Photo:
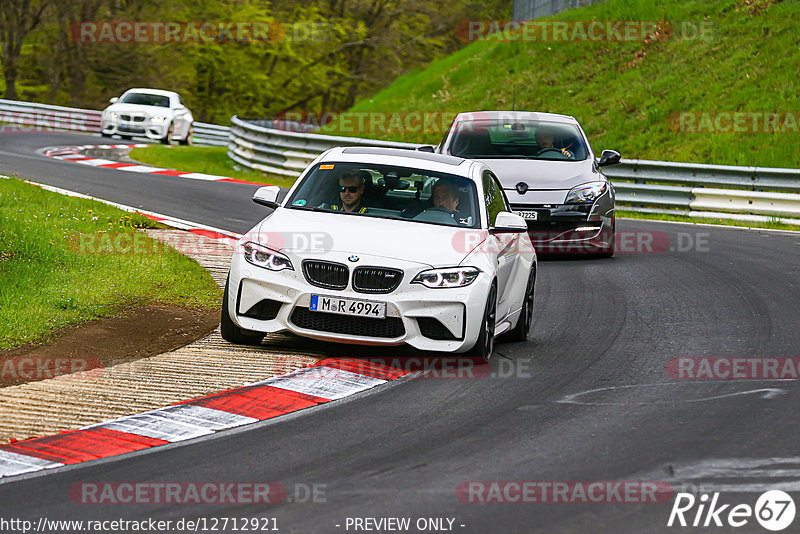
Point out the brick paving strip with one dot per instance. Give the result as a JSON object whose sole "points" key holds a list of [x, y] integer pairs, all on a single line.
{"points": [[207, 366]]}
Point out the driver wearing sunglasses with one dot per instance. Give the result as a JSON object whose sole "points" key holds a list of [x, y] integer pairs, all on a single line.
{"points": [[351, 188]]}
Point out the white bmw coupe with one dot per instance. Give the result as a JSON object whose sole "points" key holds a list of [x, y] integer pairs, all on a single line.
{"points": [[152, 113], [378, 246]]}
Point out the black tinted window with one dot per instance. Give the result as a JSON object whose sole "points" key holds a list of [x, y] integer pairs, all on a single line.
{"points": [[507, 138], [145, 99], [493, 197], [389, 192]]}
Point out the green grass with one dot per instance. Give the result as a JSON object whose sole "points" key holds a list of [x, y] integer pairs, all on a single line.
{"points": [[206, 159], [749, 64], [725, 222], [49, 281]]}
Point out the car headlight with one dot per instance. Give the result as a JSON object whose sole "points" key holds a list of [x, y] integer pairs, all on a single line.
{"points": [[266, 258], [157, 119], [586, 193], [111, 115], [449, 277]]}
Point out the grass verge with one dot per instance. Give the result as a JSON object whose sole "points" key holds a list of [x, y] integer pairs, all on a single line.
{"points": [[206, 159], [626, 94], [50, 279], [724, 222]]}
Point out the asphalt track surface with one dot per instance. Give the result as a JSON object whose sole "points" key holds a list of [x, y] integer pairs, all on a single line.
{"points": [[403, 450]]}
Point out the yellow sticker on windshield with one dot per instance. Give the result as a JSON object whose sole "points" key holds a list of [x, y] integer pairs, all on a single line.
{"points": [[325, 167]]}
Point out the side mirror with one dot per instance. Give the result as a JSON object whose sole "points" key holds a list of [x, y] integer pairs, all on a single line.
{"points": [[113, 100], [608, 157], [267, 196], [425, 148], [507, 222]]}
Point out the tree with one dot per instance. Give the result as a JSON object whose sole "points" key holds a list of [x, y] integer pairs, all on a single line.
{"points": [[17, 19], [71, 51], [324, 55]]}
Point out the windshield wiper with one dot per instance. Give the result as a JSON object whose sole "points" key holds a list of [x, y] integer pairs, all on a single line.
{"points": [[306, 208]]}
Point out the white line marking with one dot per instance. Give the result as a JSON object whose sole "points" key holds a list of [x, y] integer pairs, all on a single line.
{"points": [[767, 393], [201, 176], [205, 417], [740, 475], [154, 425], [70, 153], [788, 486], [95, 162], [12, 463], [139, 168], [753, 228], [325, 382], [722, 472], [747, 463]]}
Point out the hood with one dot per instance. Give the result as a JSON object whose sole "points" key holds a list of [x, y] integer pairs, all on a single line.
{"points": [[539, 174], [139, 108], [326, 235]]}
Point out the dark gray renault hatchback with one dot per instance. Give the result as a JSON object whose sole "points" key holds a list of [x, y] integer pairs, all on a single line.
{"points": [[549, 173]]}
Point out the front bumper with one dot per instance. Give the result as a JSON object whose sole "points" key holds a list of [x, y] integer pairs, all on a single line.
{"points": [[570, 228], [446, 320], [140, 129]]}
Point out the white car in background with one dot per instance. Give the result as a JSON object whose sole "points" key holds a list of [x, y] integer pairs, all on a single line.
{"points": [[152, 113], [400, 269]]}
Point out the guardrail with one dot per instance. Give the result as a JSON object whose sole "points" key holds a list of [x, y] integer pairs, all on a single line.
{"points": [[708, 191], [26, 116], [257, 146], [21, 116], [206, 134], [691, 189]]}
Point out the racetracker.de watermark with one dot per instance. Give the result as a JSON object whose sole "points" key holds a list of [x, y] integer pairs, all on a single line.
{"points": [[177, 493], [733, 368], [365, 122], [46, 121], [30, 368], [584, 30], [199, 31], [564, 492], [151, 525], [580, 242], [137, 242], [432, 367], [739, 122]]}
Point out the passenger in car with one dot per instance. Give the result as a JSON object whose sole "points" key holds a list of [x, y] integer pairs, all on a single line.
{"points": [[445, 195]]}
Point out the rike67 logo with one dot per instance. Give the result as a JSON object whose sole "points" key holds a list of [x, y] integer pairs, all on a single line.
{"points": [[774, 510]]}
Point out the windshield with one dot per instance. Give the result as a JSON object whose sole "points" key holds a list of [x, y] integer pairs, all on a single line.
{"points": [[389, 192], [509, 138], [146, 99]]}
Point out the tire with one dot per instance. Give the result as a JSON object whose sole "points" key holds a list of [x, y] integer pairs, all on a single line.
{"points": [[485, 345], [104, 134], [126, 137], [188, 139], [232, 332], [520, 331], [167, 139]]}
